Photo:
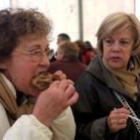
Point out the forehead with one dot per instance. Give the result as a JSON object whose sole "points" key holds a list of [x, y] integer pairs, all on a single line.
{"points": [[125, 33], [29, 41]]}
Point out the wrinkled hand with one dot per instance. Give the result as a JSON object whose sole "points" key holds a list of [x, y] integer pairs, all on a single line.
{"points": [[60, 74], [63, 76], [118, 119], [54, 100]]}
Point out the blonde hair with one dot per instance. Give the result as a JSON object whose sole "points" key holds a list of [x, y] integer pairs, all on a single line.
{"points": [[117, 22]]}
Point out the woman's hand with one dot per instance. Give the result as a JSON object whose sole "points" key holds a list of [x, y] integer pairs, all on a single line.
{"points": [[54, 100], [61, 74], [117, 119]]}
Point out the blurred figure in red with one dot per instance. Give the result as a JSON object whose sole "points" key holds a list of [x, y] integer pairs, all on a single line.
{"points": [[87, 52], [68, 61]]}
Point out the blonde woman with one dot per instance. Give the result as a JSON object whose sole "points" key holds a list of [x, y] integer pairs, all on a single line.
{"points": [[109, 88]]}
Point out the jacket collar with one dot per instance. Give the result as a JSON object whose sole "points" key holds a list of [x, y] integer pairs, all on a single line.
{"points": [[98, 70]]}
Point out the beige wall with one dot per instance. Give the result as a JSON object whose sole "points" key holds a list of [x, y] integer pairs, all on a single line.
{"points": [[64, 14], [96, 10]]}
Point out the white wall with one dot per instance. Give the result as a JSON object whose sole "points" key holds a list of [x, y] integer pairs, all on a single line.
{"points": [[137, 8], [96, 10], [64, 14], [4, 4]]}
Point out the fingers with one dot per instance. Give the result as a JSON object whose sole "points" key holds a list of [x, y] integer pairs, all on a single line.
{"points": [[121, 121], [66, 90], [71, 82], [64, 84], [71, 94], [118, 119], [70, 89], [61, 74], [55, 84], [73, 99], [64, 87], [122, 110], [121, 113]]}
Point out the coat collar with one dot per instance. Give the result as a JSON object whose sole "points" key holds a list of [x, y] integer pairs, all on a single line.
{"points": [[98, 70]]}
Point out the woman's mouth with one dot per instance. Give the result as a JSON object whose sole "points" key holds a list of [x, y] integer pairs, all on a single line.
{"points": [[115, 59]]}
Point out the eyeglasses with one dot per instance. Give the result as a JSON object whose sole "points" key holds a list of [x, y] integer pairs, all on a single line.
{"points": [[37, 55]]}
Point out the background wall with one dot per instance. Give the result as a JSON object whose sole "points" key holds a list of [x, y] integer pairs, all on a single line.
{"points": [[96, 10], [65, 14], [4, 4]]}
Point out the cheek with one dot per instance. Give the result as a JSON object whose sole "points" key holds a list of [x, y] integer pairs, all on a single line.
{"points": [[22, 74], [126, 56], [106, 53], [28, 70]]}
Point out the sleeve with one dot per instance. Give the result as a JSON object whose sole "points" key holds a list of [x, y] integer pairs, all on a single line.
{"points": [[86, 110], [4, 122], [98, 129], [27, 127], [64, 126]]}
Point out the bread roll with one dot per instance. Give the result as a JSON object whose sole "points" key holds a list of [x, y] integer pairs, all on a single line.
{"points": [[43, 80]]}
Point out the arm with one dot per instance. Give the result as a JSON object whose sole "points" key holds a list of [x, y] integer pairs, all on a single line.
{"points": [[4, 123], [50, 104], [87, 110], [52, 109], [27, 127], [64, 126]]}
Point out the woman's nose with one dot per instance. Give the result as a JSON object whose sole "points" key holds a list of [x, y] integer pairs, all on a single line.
{"points": [[116, 46], [45, 61]]}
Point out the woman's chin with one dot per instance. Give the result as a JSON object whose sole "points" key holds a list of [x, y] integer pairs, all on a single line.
{"points": [[116, 66]]}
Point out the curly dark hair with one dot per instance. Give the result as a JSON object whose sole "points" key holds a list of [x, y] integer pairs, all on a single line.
{"points": [[15, 24]]}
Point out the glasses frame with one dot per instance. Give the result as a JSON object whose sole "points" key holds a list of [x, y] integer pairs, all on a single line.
{"points": [[38, 54]]}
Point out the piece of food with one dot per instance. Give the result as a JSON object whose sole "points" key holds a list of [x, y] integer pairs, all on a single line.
{"points": [[43, 80]]}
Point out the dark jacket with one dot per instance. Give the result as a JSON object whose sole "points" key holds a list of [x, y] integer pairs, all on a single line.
{"points": [[71, 66], [96, 100]]}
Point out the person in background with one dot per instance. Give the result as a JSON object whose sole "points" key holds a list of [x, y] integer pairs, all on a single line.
{"points": [[53, 56], [86, 51], [26, 112], [81, 46], [62, 38], [89, 53], [109, 89], [67, 61]]}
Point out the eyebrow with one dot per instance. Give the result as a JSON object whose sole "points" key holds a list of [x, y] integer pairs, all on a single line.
{"points": [[33, 47], [126, 38]]}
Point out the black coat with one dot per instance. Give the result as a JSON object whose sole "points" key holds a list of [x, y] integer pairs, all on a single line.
{"points": [[96, 100]]}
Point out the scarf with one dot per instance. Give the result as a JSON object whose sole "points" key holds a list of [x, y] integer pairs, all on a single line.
{"points": [[128, 78], [8, 100]]}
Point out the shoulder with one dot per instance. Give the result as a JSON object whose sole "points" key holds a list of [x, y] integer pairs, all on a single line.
{"points": [[29, 128], [87, 79]]}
